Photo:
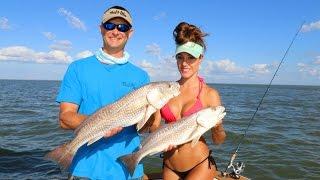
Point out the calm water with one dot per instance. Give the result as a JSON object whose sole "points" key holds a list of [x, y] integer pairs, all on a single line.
{"points": [[282, 143]]}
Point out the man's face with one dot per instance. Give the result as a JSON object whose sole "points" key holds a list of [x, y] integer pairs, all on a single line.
{"points": [[115, 39]]}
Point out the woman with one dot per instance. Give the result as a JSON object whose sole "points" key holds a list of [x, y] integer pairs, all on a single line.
{"points": [[185, 162]]}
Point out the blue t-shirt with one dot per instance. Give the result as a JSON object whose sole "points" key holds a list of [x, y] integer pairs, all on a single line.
{"points": [[92, 85]]}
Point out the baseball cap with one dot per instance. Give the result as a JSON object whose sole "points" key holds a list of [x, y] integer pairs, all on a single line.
{"points": [[117, 11]]}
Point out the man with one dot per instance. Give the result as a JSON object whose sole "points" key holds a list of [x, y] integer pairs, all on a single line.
{"points": [[94, 82]]}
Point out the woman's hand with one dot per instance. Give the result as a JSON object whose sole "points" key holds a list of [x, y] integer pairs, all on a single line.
{"points": [[218, 134]]}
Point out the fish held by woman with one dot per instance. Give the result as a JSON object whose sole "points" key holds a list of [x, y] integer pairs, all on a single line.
{"points": [[187, 129]]}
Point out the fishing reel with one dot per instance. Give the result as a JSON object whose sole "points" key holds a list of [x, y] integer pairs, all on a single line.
{"points": [[235, 170]]}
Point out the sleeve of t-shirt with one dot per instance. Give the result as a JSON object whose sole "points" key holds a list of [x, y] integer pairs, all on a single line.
{"points": [[70, 89], [145, 80]]}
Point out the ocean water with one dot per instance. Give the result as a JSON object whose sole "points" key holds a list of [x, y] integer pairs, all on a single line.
{"points": [[283, 142]]}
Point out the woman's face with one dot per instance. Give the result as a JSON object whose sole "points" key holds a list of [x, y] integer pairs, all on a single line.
{"points": [[187, 64]]}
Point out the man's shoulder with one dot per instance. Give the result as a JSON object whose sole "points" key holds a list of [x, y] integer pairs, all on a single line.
{"points": [[84, 61]]}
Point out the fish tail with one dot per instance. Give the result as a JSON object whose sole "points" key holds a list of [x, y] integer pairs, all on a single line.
{"points": [[130, 161], [62, 155]]}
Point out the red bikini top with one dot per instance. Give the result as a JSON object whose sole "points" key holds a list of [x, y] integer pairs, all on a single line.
{"points": [[169, 117]]}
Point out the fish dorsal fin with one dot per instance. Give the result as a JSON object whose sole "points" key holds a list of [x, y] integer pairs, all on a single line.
{"points": [[148, 112], [93, 141], [154, 98]]}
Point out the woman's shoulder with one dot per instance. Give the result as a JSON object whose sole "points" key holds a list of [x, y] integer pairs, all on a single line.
{"points": [[210, 91], [212, 95]]}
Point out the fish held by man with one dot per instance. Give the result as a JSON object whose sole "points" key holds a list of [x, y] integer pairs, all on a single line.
{"points": [[134, 108], [187, 129]]}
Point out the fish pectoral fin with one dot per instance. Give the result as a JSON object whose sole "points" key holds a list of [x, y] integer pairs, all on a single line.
{"points": [[154, 98], [201, 126], [93, 141], [195, 141], [149, 111], [201, 121]]}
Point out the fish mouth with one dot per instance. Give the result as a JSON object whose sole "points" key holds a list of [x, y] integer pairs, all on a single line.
{"points": [[219, 108]]}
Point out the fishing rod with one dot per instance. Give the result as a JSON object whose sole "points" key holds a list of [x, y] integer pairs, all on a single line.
{"points": [[239, 167]]}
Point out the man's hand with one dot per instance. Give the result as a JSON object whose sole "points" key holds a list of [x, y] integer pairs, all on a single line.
{"points": [[113, 132]]}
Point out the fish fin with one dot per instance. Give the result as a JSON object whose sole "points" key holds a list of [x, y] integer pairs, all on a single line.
{"points": [[130, 161], [149, 111], [62, 155], [153, 98], [195, 141], [201, 125], [93, 140], [201, 122]]}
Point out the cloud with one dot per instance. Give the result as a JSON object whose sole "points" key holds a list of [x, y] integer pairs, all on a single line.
{"points": [[260, 68], [311, 27], [153, 49], [62, 45], [225, 65], [84, 54], [160, 16], [25, 54], [149, 67], [222, 70], [302, 67], [161, 69], [49, 35], [146, 64], [72, 19], [4, 23], [312, 68], [317, 61], [55, 56]]}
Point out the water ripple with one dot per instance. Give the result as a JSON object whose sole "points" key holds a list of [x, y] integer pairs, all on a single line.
{"points": [[282, 142]]}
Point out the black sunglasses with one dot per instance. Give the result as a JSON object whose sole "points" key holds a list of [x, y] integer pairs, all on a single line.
{"points": [[120, 27]]}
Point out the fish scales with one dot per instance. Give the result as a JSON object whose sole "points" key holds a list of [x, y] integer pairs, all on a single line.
{"points": [[186, 129], [134, 107]]}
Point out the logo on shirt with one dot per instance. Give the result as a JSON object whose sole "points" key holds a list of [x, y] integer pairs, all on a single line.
{"points": [[129, 85]]}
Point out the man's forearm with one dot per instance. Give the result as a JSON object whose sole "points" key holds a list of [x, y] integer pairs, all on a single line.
{"points": [[71, 120]]}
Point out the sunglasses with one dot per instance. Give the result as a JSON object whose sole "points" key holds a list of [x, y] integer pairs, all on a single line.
{"points": [[120, 27]]}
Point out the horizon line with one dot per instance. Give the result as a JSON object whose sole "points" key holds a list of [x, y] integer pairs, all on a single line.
{"points": [[156, 81]]}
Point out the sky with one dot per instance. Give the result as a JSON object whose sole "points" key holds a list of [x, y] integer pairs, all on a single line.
{"points": [[247, 39]]}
